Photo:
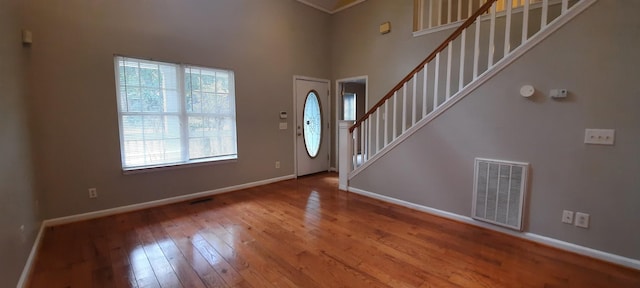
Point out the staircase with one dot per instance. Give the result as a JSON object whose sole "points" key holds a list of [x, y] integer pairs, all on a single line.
{"points": [[495, 35]]}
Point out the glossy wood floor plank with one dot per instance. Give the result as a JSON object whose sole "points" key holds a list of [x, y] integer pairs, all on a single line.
{"points": [[303, 233]]}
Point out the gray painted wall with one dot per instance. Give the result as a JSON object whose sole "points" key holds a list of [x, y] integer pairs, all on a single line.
{"points": [[17, 189], [357, 48], [594, 57], [72, 109], [73, 97]]}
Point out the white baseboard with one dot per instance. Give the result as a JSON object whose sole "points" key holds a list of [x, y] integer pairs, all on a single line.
{"points": [[26, 271], [32, 256], [333, 169], [597, 254], [150, 204]]}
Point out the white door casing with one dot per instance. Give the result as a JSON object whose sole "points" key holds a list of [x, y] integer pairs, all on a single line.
{"points": [[337, 105], [306, 162]]}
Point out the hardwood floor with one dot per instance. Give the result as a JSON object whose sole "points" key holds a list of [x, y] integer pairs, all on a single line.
{"points": [[303, 233]]}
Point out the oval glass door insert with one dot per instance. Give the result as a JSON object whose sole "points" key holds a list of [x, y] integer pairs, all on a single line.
{"points": [[312, 127]]}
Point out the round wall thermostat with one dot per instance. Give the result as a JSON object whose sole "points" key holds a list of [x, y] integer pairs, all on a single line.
{"points": [[527, 91]]}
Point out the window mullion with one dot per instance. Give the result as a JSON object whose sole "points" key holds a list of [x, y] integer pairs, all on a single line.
{"points": [[144, 138], [184, 120]]}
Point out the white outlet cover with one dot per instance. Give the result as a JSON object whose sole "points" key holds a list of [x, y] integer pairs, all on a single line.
{"points": [[582, 220], [567, 217]]}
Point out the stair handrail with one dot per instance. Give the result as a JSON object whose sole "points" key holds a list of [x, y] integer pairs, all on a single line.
{"points": [[466, 24]]}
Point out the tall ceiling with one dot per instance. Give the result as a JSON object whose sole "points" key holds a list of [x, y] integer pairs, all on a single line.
{"points": [[331, 6]]}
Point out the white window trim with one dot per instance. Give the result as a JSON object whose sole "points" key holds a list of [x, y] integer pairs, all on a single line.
{"points": [[193, 163]]}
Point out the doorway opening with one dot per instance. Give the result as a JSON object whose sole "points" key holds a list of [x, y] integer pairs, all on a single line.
{"points": [[351, 102]]}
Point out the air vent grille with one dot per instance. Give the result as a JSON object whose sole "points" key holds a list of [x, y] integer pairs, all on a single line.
{"points": [[499, 192]]}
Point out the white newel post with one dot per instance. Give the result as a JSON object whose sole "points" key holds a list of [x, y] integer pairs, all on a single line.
{"points": [[345, 145]]}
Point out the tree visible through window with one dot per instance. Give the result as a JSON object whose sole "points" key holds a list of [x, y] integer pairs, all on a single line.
{"points": [[174, 114]]}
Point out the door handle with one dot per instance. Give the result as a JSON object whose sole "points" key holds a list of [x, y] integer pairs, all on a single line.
{"points": [[299, 134]]}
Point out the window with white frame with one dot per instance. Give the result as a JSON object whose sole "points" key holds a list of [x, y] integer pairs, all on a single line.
{"points": [[172, 114]]}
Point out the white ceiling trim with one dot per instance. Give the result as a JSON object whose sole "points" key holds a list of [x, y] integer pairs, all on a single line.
{"points": [[324, 9], [347, 6]]}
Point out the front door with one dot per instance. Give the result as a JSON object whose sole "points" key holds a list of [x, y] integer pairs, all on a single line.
{"points": [[312, 126]]}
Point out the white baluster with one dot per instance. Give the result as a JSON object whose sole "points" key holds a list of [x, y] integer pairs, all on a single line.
{"points": [[404, 107], [439, 10], [459, 10], [395, 109], [525, 22], [386, 123], [355, 147], [435, 82], [362, 142], [449, 54], [377, 130], [507, 30], [470, 9], [463, 43], [424, 90], [492, 34], [431, 12], [565, 6], [545, 10], [369, 136], [476, 49], [449, 11], [413, 104]]}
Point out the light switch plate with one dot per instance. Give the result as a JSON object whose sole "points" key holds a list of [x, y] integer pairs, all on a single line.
{"points": [[599, 136], [283, 126]]}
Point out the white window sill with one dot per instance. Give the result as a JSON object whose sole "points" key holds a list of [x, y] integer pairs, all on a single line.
{"points": [[173, 166]]}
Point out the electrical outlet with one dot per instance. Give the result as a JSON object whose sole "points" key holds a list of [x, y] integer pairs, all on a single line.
{"points": [[277, 164], [93, 193], [582, 220], [567, 217]]}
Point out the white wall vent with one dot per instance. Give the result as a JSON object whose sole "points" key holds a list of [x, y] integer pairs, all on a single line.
{"points": [[499, 191]]}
